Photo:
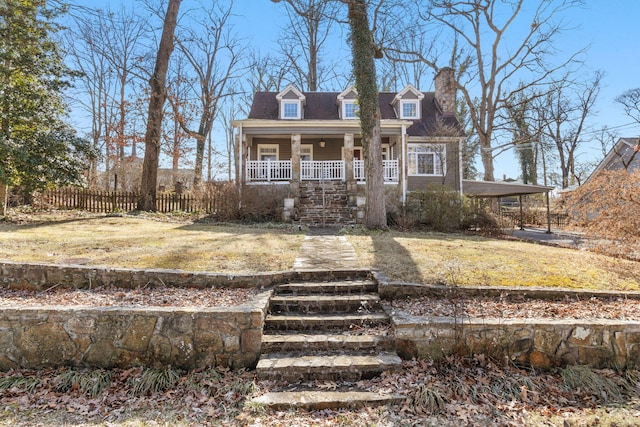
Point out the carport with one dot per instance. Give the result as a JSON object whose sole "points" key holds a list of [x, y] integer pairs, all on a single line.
{"points": [[488, 189]]}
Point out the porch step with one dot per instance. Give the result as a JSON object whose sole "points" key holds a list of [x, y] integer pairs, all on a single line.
{"points": [[324, 303], [312, 400], [345, 287], [302, 322], [282, 342], [327, 203], [325, 367]]}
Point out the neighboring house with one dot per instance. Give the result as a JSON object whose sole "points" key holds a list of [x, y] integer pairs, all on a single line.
{"points": [[310, 140], [625, 154]]}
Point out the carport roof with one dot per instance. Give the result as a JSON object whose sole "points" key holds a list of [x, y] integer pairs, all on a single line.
{"points": [[472, 188]]}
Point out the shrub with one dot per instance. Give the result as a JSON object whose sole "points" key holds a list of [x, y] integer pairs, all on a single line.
{"points": [[608, 207], [439, 208], [263, 203]]}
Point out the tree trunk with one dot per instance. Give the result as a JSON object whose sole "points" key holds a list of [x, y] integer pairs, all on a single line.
{"points": [[365, 74], [158, 85], [4, 192], [487, 157]]}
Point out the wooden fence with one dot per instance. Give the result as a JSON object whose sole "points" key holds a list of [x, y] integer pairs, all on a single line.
{"points": [[222, 202]]}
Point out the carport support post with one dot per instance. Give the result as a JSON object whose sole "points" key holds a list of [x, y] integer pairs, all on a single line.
{"points": [[520, 203], [548, 214]]}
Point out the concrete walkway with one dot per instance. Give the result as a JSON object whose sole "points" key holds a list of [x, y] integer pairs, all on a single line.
{"points": [[326, 252], [555, 238]]}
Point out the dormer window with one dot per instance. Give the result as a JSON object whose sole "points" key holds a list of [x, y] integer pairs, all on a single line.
{"points": [[350, 109], [409, 110], [290, 110], [291, 103], [407, 102], [348, 103]]}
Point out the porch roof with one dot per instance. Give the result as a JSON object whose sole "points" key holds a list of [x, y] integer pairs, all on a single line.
{"points": [[473, 188]]}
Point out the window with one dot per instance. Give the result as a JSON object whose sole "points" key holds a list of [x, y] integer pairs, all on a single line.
{"points": [[409, 110], [306, 152], [350, 110], [426, 159], [290, 110], [268, 152]]}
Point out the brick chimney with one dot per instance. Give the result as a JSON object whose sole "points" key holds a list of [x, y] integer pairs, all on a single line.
{"points": [[445, 86]]}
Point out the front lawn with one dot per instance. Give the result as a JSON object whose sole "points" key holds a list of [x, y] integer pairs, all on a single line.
{"points": [[149, 242], [456, 259]]}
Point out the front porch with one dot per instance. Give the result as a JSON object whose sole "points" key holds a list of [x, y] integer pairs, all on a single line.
{"points": [[315, 170]]}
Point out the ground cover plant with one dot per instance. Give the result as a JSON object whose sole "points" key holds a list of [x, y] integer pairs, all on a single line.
{"points": [[455, 391]]}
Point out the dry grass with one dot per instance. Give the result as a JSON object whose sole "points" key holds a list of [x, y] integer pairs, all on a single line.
{"points": [[142, 242], [476, 261], [165, 242]]}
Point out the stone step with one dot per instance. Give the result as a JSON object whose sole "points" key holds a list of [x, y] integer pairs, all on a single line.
{"points": [[284, 367], [349, 287], [273, 343], [312, 400], [324, 303], [305, 322]]}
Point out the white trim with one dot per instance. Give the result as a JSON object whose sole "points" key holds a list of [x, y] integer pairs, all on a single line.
{"points": [[304, 146], [291, 88], [408, 88], [404, 102], [403, 172], [271, 146], [286, 102], [343, 111], [442, 157], [345, 92]]}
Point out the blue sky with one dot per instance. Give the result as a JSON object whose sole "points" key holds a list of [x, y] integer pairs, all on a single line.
{"points": [[608, 27]]}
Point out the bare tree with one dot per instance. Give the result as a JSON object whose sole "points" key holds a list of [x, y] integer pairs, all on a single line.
{"points": [[502, 53], [564, 111], [158, 86], [120, 37], [95, 86], [630, 102], [303, 38], [214, 56], [176, 140], [523, 124]]}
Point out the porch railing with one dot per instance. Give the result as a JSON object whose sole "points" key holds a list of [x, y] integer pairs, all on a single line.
{"points": [[390, 170], [269, 170], [311, 170]]}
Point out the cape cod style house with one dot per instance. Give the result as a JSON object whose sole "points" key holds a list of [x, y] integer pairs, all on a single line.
{"points": [[310, 142]]}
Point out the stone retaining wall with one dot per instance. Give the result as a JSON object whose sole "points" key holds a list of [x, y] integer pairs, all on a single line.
{"points": [[40, 276], [539, 343], [106, 337]]}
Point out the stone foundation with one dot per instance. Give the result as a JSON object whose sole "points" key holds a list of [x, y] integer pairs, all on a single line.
{"points": [[108, 337]]}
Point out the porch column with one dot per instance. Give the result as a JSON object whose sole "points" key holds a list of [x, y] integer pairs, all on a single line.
{"points": [[402, 167], [352, 188], [295, 165]]}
